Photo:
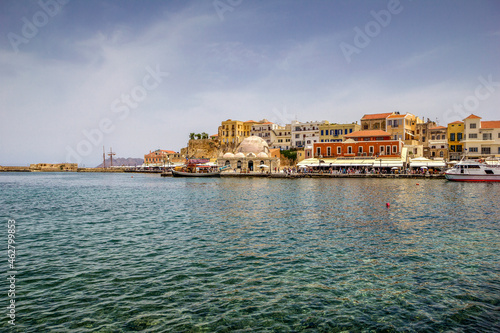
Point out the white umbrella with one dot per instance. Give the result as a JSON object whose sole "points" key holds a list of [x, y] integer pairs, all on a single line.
{"points": [[394, 168], [302, 166], [263, 166]]}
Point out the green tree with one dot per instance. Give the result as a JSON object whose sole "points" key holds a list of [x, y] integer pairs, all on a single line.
{"points": [[191, 136], [204, 135], [198, 136]]}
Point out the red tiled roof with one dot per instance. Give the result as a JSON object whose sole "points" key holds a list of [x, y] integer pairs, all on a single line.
{"points": [[359, 134], [457, 122], [268, 123], [490, 124], [376, 115], [473, 116], [250, 121], [214, 135], [437, 127], [397, 115]]}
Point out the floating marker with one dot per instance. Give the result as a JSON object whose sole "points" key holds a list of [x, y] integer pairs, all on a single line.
{"points": [[388, 204]]}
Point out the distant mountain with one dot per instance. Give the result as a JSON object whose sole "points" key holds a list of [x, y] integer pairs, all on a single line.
{"points": [[119, 161]]}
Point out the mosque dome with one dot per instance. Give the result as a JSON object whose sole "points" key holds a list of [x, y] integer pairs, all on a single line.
{"points": [[251, 155], [253, 144], [239, 155], [228, 155], [262, 155]]}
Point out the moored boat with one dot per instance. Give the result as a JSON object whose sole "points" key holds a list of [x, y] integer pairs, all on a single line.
{"points": [[474, 171], [195, 174], [196, 168]]}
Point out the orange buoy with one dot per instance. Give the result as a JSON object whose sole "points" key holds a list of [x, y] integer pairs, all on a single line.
{"points": [[388, 204]]}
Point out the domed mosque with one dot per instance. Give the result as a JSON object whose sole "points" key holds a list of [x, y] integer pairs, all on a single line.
{"points": [[252, 154]]}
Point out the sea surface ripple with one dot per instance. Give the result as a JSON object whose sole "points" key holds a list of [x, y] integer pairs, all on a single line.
{"points": [[115, 253]]}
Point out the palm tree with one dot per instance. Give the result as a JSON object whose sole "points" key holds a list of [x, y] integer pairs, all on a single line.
{"points": [[191, 136], [204, 135]]}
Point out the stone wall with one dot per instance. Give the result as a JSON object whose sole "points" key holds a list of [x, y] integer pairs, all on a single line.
{"points": [[204, 148]]}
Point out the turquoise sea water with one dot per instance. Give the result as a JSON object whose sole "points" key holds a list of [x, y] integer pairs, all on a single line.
{"points": [[112, 253]]}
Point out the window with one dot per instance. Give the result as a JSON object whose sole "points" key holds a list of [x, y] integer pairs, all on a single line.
{"points": [[441, 153], [329, 151], [499, 147], [472, 135], [486, 136], [318, 151], [473, 125], [382, 150], [321, 132], [452, 136], [486, 150], [297, 136], [433, 138], [350, 131], [339, 150], [394, 149], [365, 127], [388, 150], [452, 148], [371, 149], [360, 149], [459, 148], [473, 149], [459, 136]]}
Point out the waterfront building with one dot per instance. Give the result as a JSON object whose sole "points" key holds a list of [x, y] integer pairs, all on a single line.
{"points": [[304, 135], [160, 157], [481, 138], [373, 143], [281, 137], [423, 136], [252, 154], [264, 129], [232, 132], [438, 143], [455, 136], [332, 132], [403, 127], [375, 121]]}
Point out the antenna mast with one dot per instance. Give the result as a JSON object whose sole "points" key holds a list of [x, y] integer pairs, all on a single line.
{"points": [[110, 154]]}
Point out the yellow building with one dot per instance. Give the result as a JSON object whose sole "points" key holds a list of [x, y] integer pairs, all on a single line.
{"points": [[455, 136], [403, 127], [234, 131], [331, 132]]}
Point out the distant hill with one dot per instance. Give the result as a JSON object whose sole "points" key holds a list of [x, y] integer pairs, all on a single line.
{"points": [[119, 161]]}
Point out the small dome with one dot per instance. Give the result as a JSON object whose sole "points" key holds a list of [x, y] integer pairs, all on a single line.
{"points": [[239, 155], [228, 155], [251, 155], [253, 144], [264, 155]]}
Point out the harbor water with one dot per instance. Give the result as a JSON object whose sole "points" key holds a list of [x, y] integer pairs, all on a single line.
{"points": [[116, 253]]}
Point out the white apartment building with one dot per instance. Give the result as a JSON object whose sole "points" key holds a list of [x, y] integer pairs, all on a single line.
{"points": [[481, 138], [304, 135], [281, 137]]}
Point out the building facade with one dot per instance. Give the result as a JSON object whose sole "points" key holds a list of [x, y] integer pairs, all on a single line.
{"points": [[232, 132], [265, 130], [304, 135], [423, 136], [481, 138], [403, 127], [161, 157], [438, 143], [455, 137], [281, 137], [375, 121], [331, 132], [373, 143]]}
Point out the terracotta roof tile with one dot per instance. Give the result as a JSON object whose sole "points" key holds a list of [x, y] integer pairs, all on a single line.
{"points": [[438, 127], [473, 116], [367, 133], [457, 122], [376, 115], [490, 124], [397, 116]]}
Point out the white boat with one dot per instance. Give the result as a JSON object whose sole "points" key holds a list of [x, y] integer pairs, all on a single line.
{"points": [[473, 171]]}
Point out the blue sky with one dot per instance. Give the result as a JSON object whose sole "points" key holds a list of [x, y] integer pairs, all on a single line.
{"points": [[139, 75]]}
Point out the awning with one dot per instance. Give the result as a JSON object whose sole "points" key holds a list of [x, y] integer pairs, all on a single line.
{"points": [[424, 162]]}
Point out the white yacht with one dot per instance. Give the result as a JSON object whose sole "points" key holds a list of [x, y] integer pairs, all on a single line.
{"points": [[474, 171]]}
